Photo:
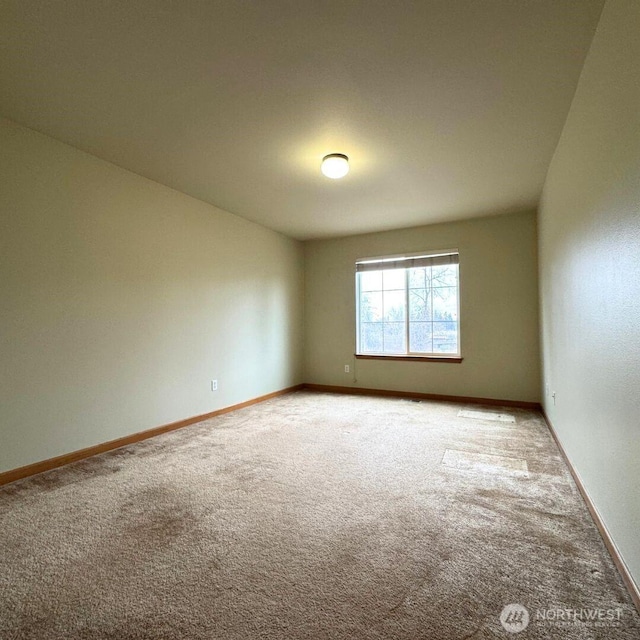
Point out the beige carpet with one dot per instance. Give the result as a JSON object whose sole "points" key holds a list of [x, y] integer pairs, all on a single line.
{"points": [[312, 516]]}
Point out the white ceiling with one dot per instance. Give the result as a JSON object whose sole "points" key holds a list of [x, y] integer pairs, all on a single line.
{"points": [[447, 109]]}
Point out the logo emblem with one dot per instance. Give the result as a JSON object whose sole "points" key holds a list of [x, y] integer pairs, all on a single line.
{"points": [[514, 618]]}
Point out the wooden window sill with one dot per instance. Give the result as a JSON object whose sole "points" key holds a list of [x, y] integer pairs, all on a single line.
{"points": [[456, 359]]}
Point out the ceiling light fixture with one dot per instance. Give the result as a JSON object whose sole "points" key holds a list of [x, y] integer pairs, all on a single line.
{"points": [[335, 165]]}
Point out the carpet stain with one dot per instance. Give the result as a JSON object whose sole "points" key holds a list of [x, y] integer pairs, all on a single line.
{"points": [[156, 516]]}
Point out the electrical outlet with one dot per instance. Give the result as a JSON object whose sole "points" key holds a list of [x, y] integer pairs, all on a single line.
{"points": [[214, 385], [346, 368]]}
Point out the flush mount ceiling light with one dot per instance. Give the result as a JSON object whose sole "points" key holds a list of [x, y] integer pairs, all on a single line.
{"points": [[335, 165]]}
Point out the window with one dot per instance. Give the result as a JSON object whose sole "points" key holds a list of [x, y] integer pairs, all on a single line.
{"points": [[408, 305]]}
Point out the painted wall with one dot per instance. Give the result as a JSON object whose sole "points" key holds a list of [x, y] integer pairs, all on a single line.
{"points": [[121, 299], [590, 278], [498, 310]]}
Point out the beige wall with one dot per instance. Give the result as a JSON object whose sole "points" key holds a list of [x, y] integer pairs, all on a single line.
{"points": [[590, 278], [498, 307], [121, 299]]}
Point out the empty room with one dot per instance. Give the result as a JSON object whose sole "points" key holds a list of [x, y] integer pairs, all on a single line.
{"points": [[319, 320]]}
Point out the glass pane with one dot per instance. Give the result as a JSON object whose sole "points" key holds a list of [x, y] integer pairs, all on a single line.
{"points": [[394, 337], [445, 303], [420, 337], [445, 337], [394, 279], [416, 278], [445, 276], [371, 337], [394, 306], [370, 280], [419, 304], [371, 306]]}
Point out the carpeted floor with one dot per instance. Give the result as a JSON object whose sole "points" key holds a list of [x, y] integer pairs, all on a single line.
{"points": [[312, 516]]}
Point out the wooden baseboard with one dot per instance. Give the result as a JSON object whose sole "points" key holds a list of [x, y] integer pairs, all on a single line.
{"points": [[358, 391], [74, 456], [627, 578]]}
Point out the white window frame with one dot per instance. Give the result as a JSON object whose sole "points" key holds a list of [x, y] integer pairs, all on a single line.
{"points": [[408, 353]]}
